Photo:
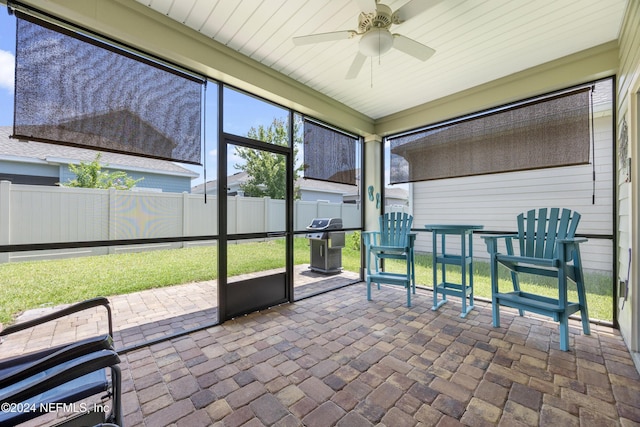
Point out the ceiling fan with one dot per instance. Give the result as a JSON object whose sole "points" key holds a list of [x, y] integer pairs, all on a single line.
{"points": [[374, 23]]}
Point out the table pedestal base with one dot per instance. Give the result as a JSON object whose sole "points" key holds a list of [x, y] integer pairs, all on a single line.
{"points": [[464, 260]]}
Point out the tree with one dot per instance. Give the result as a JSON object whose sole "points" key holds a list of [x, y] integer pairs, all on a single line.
{"points": [[91, 175], [267, 171]]}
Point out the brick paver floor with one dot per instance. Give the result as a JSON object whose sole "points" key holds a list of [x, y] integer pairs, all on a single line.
{"points": [[337, 359], [152, 314]]}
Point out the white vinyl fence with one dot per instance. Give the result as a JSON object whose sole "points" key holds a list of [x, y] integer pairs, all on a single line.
{"points": [[32, 214]]}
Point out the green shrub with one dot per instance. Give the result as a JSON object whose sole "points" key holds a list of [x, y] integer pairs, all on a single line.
{"points": [[353, 241]]}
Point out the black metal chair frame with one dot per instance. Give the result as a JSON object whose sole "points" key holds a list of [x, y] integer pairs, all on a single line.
{"points": [[32, 384]]}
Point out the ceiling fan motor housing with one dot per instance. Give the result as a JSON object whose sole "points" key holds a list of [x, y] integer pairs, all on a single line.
{"points": [[374, 27], [376, 38], [381, 18]]}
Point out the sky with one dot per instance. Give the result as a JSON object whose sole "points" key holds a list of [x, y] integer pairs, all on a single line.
{"points": [[7, 55]]}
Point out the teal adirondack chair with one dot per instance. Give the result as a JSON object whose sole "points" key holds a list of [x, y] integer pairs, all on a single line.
{"points": [[547, 247], [393, 241]]}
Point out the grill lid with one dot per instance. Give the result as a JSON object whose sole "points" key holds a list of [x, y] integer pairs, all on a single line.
{"points": [[318, 224]]}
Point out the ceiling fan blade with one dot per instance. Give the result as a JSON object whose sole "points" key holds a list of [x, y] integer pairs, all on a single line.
{"points": [[366, 6], [356, 66], [411, 9], [324, 37], [412, 47]]}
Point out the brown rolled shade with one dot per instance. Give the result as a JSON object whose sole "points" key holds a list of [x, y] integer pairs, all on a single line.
{"points": [[544, 133], [329, 155], [72, 89]]}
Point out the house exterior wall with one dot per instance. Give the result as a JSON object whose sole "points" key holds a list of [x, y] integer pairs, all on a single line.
{"points": [[310, 195], [166, 183], [23, 168], [495, 200], [628, 203]]}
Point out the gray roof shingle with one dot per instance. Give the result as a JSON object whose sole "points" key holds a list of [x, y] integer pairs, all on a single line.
{"points": [[65, 154]]}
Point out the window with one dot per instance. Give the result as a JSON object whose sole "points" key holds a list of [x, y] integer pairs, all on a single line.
{"points": [[545, 132]]}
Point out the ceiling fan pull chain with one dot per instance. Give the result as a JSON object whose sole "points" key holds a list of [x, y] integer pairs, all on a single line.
{"points": [[371, 72], [379, 48]]}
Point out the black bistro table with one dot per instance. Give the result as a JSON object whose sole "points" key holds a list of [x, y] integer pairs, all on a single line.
{"points": [[464, 260]]}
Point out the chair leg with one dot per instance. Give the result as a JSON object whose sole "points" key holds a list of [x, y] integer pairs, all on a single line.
{"points": [[564, 331], [563, 303], [494, 292], [368, 289], [582, 293], [413, 271], [409, 275], [584, 311], [117, 395], [515, 279]]}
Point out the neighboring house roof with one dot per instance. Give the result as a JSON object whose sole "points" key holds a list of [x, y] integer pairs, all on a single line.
{"points": [[304, 184], [109, 129], [39, 152], [326, 186], [212, 186], [396, 193]]}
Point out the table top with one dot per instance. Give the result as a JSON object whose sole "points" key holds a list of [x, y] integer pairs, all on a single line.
{"points": [[453, 227]]}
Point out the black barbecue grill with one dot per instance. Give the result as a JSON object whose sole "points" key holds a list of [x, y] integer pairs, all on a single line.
{"points": [[326, 244]]}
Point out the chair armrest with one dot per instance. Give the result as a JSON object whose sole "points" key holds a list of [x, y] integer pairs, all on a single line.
{"points": [[21, 367], [84, 305], [573, 240], [370, 237], [569, 246], [500, 236], [59, 375], [492, 242]]}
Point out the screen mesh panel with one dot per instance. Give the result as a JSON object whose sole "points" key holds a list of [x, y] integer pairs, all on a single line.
{"points": [[546, 133], [329, 155], [74, 90]]}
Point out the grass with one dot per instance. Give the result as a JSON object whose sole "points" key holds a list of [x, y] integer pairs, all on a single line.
{"points": [[28, 285], [599, 286]]}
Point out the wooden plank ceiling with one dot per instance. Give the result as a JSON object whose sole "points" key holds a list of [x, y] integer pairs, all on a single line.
{"points": [[476, 41]]}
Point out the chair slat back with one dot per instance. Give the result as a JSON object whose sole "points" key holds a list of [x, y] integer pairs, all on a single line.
{"points": [[538, 231], [395, 228]]}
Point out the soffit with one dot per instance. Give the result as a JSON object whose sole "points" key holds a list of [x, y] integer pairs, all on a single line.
{"points": [[476, 41]]}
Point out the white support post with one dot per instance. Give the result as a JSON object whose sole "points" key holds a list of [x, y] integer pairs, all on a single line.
{"points": [[373, 178]]}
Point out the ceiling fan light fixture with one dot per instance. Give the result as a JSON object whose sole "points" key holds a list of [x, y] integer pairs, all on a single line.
{"points": [[376, 42]]}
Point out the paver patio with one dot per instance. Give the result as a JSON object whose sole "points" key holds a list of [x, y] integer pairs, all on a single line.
{"points": [[338, 359]]}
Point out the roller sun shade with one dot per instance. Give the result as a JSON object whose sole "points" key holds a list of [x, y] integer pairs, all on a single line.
{"points": [[75, 90], [544, 133], [329, 155]]}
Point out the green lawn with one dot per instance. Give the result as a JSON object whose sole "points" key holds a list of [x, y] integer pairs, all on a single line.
{"points": [[599, 286], [29, 285]]}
